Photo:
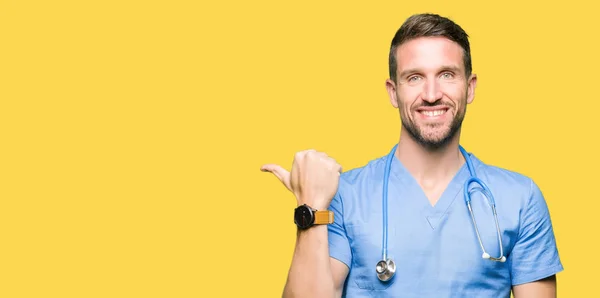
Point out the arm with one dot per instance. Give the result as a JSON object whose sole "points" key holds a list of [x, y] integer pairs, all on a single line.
{"points": [[544, 288], [314, 181], [313, 273], [534, 260]]}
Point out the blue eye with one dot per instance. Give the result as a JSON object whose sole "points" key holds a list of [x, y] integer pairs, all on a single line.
{"points": [[447, 75]]}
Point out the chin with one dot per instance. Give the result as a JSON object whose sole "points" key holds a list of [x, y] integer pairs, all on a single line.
{"points": [[432, 136], [434, 139]]}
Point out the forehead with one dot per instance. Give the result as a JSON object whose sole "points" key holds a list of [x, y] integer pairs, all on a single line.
{"points": [[429, 53]]}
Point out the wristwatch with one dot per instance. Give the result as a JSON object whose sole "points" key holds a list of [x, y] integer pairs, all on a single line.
{"points": [[305, 217]]}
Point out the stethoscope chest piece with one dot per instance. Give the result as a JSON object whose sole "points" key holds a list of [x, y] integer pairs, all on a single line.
{"points": [[385, 269]]}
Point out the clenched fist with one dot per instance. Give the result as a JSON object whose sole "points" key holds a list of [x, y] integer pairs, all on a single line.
{"points": [[313, 179]]}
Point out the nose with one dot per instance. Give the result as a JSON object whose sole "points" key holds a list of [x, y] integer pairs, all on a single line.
{"points": [[431, 91]]}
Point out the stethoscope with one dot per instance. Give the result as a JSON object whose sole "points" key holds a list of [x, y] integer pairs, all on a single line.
{"points": [[386, 268]]}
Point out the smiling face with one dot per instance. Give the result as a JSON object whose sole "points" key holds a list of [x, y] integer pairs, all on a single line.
{"points": [[431, 90]]}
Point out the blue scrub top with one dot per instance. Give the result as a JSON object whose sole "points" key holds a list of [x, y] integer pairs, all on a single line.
{"points": [[435, 248]]}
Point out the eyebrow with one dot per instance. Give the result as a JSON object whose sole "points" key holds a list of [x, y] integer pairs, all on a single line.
{"points": [[452, 68]]}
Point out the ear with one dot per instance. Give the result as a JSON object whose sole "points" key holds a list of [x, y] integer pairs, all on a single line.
{"points": [[391, 90], [472, 83]]}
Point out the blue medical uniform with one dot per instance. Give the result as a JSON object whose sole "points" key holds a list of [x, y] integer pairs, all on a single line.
{"points": [[435, 248]]}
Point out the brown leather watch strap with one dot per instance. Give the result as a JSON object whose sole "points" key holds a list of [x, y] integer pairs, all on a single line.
{"points": [[323, 217]]}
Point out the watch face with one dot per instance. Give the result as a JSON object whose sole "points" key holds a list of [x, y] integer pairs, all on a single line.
{"points": [[303, 217]]}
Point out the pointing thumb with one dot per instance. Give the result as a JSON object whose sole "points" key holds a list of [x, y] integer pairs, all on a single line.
{"points": [[279, 172]]}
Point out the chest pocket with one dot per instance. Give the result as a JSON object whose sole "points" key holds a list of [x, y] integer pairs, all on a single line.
{"points": [[366, 245]]}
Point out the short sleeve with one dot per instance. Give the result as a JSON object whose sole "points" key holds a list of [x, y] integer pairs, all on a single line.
{"points": [[339, 247], [535, 254]]}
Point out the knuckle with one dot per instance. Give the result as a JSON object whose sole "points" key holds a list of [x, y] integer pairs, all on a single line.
{"points": [[314, 154]]}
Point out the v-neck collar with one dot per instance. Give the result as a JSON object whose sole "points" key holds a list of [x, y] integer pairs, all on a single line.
{"points": [[432, 213]]}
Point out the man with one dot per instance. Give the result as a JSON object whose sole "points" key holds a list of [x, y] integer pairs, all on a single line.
{"points": [[440, 247]]}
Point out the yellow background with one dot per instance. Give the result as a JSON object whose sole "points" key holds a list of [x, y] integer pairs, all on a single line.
{"points": [[132, 132]]}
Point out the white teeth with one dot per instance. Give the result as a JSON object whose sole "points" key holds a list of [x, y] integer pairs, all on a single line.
{"points": [[433, 113]]}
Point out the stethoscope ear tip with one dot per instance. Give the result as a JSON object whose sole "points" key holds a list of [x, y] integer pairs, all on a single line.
{"points": [[485, 255]]}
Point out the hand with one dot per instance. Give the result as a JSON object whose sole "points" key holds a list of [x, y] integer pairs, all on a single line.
{"points": [[313, 179]]}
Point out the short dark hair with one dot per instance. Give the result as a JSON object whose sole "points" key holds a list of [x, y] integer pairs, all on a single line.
{"points": [[426, 25]]}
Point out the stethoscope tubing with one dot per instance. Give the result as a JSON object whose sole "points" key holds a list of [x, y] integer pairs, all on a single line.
{"points": [[467, 195]]}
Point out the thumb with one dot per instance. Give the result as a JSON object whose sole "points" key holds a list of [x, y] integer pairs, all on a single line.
{"points": [[279, 172]]}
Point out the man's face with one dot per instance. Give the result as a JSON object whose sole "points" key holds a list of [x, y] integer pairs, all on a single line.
{"points": [[431, 90]]}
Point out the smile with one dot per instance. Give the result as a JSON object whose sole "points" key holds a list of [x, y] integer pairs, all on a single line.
{"points": [[433, 113], [430, 113]]}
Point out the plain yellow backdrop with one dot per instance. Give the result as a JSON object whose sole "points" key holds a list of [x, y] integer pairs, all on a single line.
{"points": [[132, 132]]}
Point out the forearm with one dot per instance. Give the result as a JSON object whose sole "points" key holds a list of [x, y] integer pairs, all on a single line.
{"points": [[310, 273], [545, 288]]}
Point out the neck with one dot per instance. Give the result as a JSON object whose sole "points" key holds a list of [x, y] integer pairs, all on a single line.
{"points": [[430, 165]]}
